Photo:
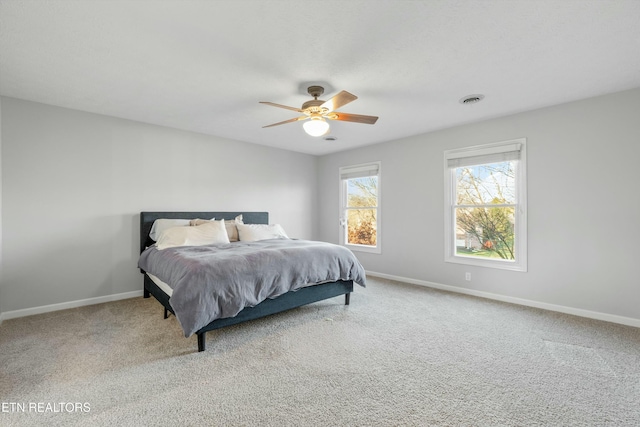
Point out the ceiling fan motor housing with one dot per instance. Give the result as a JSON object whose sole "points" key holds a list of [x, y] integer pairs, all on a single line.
{"points": [[313, 106]]}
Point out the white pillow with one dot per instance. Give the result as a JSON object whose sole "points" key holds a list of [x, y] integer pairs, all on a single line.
{"points": [[205, 234], [159, 225], [232, 231], [254, 232]]}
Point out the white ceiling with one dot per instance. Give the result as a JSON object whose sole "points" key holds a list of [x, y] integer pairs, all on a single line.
{"points": [[204, 65]]}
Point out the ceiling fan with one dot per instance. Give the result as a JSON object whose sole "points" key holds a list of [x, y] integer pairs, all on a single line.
{"points": [[317, 111]]}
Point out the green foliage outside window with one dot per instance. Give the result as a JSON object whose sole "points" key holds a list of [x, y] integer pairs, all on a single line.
{"points": [[485, 210], [362, 202]]}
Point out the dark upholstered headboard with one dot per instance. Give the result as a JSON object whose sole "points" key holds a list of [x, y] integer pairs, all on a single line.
{"points": [[147, 219]]}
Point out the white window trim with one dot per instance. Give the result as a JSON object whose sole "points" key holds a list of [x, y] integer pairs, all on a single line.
{"points": [[520, 264], [343, 203]]}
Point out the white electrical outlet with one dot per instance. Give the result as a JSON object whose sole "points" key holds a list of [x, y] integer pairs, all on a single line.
{"points": [[467, 277]]}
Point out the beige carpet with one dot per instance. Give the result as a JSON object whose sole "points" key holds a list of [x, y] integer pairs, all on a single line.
{"points": [[398, 355]]}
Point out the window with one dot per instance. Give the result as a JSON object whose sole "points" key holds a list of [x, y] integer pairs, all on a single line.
{"points": [[360, 207], [485, 205]]}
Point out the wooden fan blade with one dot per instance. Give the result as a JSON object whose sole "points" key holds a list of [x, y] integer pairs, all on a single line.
{"points": [[295, 119], [343, 98], [358, 118], [281, 106]]}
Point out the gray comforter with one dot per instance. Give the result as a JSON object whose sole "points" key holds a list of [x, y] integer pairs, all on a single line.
{"points": [[217, 281]]}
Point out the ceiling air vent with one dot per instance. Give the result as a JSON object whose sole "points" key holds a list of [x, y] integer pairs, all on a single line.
{"points": [[472, 99]]}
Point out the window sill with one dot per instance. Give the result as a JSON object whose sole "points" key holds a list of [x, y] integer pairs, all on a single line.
{"points": [[497, 264], [363, 248]]}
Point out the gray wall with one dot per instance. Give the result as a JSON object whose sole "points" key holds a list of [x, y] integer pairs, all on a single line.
{"points": [[583, 201], [1, 264], [73, 184]]}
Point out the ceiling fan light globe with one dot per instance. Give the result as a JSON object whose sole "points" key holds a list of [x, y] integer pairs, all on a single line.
{"points": [[316, 127]]}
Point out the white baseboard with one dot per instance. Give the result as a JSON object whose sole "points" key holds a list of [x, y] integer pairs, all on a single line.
{"points": [[65, 305], [629, 321]]}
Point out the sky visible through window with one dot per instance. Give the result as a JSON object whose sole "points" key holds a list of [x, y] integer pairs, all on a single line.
{"points": [[362, 188], [486, 184]]}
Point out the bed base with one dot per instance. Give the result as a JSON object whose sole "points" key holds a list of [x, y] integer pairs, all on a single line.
{"points": [[288, 301]]}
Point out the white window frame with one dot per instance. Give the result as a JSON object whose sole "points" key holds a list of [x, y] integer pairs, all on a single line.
{"points": [[354, 171], [484, 154]]}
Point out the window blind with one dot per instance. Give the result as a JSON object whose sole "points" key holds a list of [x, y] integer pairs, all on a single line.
{"points": [[479, 156], [359, 171]]}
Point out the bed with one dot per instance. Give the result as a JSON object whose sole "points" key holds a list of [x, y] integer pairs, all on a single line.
{"points": [[167, 282]]}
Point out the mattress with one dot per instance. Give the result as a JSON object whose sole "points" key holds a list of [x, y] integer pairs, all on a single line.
{"points": [[165, 288]]}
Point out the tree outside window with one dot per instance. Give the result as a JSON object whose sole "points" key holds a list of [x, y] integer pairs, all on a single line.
{"points": [[360, 207], [485, 209]]}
